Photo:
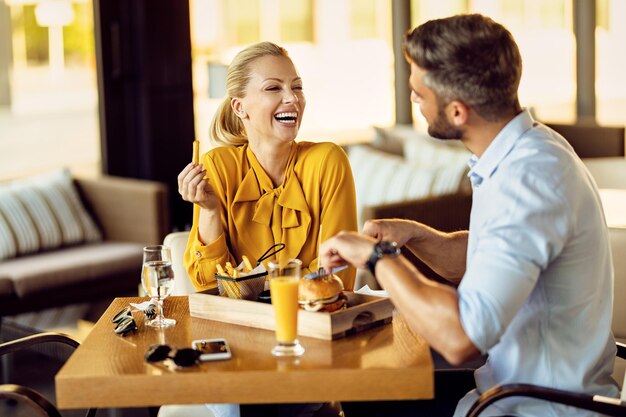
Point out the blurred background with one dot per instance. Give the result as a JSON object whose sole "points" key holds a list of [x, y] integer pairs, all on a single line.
{"points": [[50, 52]]}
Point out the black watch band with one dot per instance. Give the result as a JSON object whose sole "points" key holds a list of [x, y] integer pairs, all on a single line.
{"points": [[381, 248]]}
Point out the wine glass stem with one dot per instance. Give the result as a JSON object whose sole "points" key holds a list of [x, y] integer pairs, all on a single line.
{"points": [[159, 306]]}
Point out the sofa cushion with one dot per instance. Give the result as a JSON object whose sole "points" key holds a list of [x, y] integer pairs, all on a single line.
{"points": [[417, 146], [426, 150], [77, 265], [381, 178], [607, 172], [391, 139], [6, 286], [43, 213]]}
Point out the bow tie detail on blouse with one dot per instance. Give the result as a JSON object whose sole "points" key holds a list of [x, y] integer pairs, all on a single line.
{"points": [[264, 213], [282, 206], [269, 205]]}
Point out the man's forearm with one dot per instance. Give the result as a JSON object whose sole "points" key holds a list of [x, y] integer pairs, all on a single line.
{"points": [[431, 309], [444, 253]]}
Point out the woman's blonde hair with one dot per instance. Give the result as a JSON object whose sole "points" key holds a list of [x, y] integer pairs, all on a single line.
{"points": [[226, 128]]}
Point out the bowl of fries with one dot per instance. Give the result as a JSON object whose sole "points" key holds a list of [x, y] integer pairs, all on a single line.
{"points": [[244, 281]]}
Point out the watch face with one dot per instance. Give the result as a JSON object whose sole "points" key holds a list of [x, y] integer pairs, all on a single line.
{"points": [[381, 249], [387, 248]]}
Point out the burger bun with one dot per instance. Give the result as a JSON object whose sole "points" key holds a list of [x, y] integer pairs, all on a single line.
{"points": [[323, 293]]}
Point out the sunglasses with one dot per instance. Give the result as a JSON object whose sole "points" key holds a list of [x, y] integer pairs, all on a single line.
{"points": [[125, 323], [181, 357]]}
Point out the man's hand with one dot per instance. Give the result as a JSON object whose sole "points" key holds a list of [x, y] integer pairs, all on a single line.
{"points": [[346, 248], [394, 230]]}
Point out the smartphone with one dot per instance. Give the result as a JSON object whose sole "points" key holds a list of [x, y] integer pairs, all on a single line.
{"points": [[212, 349]]}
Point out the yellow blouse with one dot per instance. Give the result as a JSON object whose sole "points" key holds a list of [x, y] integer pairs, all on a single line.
{"points": [[318, 189]]}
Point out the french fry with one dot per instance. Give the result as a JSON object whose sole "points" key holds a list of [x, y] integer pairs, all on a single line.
{"points": [[229, 268], [220, 270], [196, 152], [247, 263], [235, 274]]}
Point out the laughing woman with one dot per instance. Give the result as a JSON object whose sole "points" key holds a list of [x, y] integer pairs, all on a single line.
{"points": [[261, 187]]}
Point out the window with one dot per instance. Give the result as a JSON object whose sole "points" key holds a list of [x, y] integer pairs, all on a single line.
{"points": [[48, 105], [242, 17], [543, 31], [611, 61], [342, 50], [296, 20]]}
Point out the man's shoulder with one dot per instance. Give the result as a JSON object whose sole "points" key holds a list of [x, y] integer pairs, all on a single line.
{"points": [[540, 151]]}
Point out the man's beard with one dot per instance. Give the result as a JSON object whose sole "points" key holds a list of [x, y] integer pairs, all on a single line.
{"points": [[440, 128]]}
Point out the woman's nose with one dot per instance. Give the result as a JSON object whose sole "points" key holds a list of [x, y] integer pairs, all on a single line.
{"points": [[290, 96]]}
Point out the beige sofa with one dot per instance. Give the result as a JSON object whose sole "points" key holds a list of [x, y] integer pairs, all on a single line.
{"points": [[128, 213]]}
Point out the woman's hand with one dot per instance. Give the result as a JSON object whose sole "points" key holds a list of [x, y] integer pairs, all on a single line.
{"points": [[195, 188]]}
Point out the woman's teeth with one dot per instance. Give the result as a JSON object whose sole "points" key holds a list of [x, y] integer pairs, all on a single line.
{"points": [[286, 117]]}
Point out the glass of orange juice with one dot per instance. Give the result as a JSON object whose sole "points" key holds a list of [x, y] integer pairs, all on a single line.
{"points": [[284, 279]]}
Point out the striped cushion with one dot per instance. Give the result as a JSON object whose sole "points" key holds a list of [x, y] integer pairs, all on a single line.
{"points": [[43, 213]]}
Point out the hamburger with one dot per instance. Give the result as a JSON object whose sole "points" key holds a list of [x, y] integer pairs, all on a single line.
{"points": [[322, 293]]}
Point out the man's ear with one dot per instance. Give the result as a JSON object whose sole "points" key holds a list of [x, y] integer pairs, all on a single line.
{"points": [[457, 113], [237, 107]]}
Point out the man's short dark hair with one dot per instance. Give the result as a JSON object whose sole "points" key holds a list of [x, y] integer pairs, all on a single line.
{"points": [[469, 58]]}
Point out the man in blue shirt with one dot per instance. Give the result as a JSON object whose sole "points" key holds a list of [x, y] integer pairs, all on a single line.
{"points": [[534, 270]]}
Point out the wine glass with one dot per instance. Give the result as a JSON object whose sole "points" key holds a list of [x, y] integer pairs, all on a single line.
{"points": [[157, 279]]}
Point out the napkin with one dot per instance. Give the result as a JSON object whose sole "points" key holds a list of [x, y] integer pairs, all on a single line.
{"points": [[368, 291]]}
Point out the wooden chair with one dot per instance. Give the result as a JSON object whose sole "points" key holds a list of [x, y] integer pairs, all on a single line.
{"points": [[26, 395]]}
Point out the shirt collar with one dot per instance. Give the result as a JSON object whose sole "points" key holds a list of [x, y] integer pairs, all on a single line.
{"points": [[484, 166]]}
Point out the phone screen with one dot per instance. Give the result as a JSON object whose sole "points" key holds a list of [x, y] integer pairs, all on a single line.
{"points": [[216, 346], [212, 349]]}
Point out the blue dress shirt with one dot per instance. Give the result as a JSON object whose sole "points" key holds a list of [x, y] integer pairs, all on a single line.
{"points": [[537, 292]]}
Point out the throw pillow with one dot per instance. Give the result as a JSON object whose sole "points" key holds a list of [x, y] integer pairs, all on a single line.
{"points": [[390, 139], [424, 149], [43, 213]]}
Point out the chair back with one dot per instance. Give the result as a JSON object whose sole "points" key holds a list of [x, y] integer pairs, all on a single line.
{"points": [[177, 241]]}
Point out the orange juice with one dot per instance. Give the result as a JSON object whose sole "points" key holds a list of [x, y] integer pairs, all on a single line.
{"points": [[284, 291]]}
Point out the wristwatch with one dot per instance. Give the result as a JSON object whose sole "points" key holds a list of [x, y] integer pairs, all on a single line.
{"points": [[382, 248]]}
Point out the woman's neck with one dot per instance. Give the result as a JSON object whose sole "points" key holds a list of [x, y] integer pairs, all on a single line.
{"points": [[273, 158]]}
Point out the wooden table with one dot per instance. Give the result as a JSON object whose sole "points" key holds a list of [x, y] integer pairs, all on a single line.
{"points": [[108, 371]]}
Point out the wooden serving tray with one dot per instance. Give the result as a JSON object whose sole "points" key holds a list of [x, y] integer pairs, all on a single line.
{"points": [[363, 312]]}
